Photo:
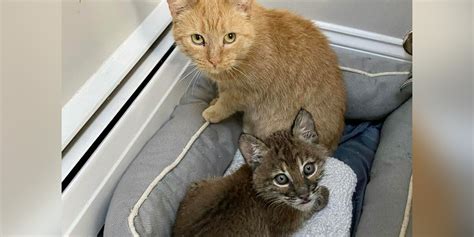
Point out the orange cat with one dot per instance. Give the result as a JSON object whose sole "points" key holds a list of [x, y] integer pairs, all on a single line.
{"points": [[267, 63]]}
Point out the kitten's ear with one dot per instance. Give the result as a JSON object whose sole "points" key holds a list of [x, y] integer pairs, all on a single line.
{"points": [[243, 5], [304, 128], [252, 149], [177, 6]]}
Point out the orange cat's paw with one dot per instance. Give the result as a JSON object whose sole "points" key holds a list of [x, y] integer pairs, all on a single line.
{"points": [[212, 114], [213, 101]]}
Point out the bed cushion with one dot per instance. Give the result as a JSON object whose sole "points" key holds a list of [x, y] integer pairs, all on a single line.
{"points": [[210, 155], [387, 192], [373, 98]]}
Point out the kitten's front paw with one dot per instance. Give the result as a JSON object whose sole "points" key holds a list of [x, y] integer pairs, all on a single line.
{"points": [[323, 197], [212, 114]]}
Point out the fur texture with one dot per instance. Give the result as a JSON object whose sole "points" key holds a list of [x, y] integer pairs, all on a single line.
{"points": [[278, 63], [254, 200]]}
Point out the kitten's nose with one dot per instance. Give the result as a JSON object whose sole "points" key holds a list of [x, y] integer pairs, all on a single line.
{"points": [[303, 193], [304, 196]]}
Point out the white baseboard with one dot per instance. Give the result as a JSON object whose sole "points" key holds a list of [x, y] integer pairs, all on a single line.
{"points": [[85, 102], [364, 41], [87, 197], [83, 141]]}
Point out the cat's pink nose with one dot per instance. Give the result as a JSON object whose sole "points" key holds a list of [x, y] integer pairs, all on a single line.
{"points": [[214, 61]]}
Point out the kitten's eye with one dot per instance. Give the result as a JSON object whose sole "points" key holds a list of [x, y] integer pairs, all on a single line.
{"points": [[229, 38], [281, 179], [309, 169], [197, 39]]}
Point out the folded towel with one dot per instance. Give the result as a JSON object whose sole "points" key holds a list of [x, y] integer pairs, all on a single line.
{"points": [[335, 218]]}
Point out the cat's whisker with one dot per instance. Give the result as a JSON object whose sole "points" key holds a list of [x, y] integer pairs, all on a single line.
{"points": [[246, 64], [194, 83], [235, 69], [274, 203], [190, 82], [249, 75], [280, 204], [194, 69], [231, 72]]}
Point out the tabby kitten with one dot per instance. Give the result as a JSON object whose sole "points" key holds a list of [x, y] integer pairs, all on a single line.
{"points": [[271, 195], [266, 63]]}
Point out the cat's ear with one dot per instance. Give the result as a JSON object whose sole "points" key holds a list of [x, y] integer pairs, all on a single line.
{"points": [[177, 6], [243, 5], [304, 128], [252, 149]]}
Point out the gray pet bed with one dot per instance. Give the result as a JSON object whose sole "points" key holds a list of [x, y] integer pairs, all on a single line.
{"points": [[139, 208]]}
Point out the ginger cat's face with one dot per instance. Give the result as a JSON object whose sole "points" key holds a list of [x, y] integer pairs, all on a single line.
{"points": [[215, 34]]}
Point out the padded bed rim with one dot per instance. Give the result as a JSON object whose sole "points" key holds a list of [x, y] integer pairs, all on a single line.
{"points": [[406, 216], [164, 172]]}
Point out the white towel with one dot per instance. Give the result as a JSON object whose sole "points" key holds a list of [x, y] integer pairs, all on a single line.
{"points": [[335, 219]]}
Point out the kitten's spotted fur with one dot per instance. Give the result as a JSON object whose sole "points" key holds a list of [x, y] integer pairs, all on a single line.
{"points": [[257, 200], [266, 63]]}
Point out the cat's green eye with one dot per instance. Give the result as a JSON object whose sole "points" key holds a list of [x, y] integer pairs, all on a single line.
{"points": [[309, 169], [229, 38], [281, 179], [197, 39]]}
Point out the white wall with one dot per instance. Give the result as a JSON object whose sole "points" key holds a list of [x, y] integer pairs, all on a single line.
{"points": [[387, 17], [91, 31]]}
